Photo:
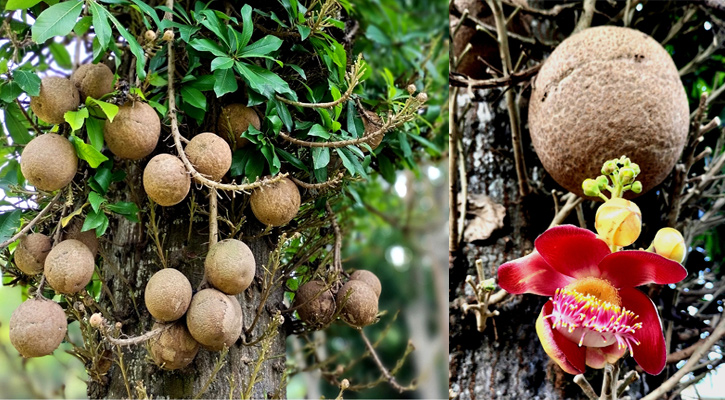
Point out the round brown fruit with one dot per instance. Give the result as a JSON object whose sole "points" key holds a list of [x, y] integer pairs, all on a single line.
{"points": [[31, 253], [368, 277], [214, 319], [89, 238], [37, 327], [233, 121], [230, 266], [165, 180], [315, 311], [210, 155], [174, 348], [167, 295], [276, 204], [69, 266], [603, 93], [95, 80], [134, 132], [360, 308], [49, 162], [57, 96]]}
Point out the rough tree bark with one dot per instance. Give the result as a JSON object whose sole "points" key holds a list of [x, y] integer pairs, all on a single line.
{"points": [[130, 258]]}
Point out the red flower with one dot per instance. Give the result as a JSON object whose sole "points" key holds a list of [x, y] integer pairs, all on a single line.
{"points": [[594, 313]]}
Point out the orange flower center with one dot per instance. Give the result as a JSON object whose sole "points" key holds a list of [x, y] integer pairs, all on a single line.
{"points": [[588, 311]]}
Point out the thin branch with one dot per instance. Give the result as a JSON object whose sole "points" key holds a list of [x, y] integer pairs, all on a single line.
{"points": [[318, 186], [585, 21], [353, 79], [510, 80], [454, 237], [586, 387], [388, 377], [629, 378], [25, 114], [337, 252], [213, 223], [572, 202], [32, 223]]}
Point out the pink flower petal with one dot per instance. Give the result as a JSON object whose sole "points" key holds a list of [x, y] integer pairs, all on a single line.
{"points": [[632, 268], [570, 357], [531, 274], [597, 357], [573, 251], [650, 354]]}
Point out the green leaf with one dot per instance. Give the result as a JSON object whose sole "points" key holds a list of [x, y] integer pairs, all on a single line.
{"points": [[9, 91], [247, 26], [88, 152], [60, 55], [272, 159], [27, 81], [320, 157], [20, 4], [377, 35], [319, 131], [346, 161], [100, 24], [211, 21], [254, 167], [16, 124], [299, 70], [225, 82], [9, 223], [387, 170], [57, 20], [123, 208], [262, 47], [221, 63], [205, 44], [95, 200], [94, 127], [94, 220], [83, 25], [193, 97], [136, 49], [296, 162], [304, 31], [109, 109], [76, 118], [148, 10], [265, 82], [103, 178]]}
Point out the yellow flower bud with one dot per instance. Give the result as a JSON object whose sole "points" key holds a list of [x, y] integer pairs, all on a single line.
{"points": [[619, 222], [669, 243]]}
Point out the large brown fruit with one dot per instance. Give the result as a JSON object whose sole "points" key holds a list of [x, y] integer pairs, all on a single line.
{"points": [[49, 162], [210, 155], [174, 348], [37, 327], [69, 266], [167, 295], [276, 204], [214, 319], [57, 96], [361, 305], [134, 132], [603, 93], [165, 180], [95, 80], [230, 266], [233, 121], [315, 311], [31, 253], [368, 277], [89, 238]]}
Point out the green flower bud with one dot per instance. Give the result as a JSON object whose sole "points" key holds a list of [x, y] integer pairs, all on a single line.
{"points": [[637, 187], [489, 284], [635, 168], [590, 187], [602, 181], [609, 167], [626, 175]]}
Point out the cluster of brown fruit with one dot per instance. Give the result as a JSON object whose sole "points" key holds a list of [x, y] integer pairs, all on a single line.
{"points": [[356, 302], [38, 326]]}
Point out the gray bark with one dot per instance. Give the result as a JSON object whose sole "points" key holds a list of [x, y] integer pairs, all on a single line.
{"points": [[129, 260]]}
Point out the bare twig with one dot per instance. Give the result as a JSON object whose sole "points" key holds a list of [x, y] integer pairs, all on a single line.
{"points": [[586, 387], [629, 378], [388, 377], [32, 223], [585, 21], [572, 202], [318, 186], [512, 79], [454, 237]]}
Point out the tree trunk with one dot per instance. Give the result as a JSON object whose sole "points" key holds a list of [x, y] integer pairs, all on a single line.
{"points": [[129, 260]]}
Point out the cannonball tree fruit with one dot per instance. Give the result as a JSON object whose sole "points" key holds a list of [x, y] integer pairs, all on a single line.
{"points": [[165, 180], [69, 266], [357, 303], [31, 253], [368, 277], [168, 295], [49, 162], [605, 92], [230, 266], [174, 348], [210, 155], [134, 132], [89, 238], [95, 80], [57, 96], [214, 319], [276, 204], [37, 327], [316, 303], [233, 121]]}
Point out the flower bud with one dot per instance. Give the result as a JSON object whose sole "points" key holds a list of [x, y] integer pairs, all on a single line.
{"points": [[344, 384], [422, 97], [96, 320], [411, 89], [168, 35], [637, 187], [635, 168], [609, 167], [602, 181], [150, 35], [618, 222], [669, 243], [590, 187], [626, 175]]}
